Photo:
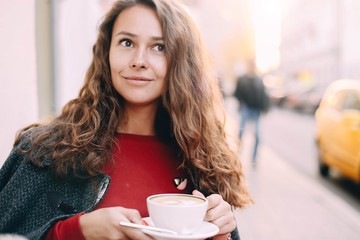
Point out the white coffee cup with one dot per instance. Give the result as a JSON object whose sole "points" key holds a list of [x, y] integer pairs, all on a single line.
{"points": [[182, 213]]}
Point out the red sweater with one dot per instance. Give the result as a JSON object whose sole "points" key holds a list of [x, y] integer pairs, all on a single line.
{"points": [[143, 166]]}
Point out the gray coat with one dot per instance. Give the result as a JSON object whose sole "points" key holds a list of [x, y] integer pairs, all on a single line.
{"points": [[24, 193], [24, 188]]}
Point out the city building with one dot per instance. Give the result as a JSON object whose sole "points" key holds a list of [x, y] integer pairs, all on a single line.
{"points": [[320, 42]]}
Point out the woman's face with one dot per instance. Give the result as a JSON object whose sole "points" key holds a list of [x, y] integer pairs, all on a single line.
{"points": [[137, 56]]}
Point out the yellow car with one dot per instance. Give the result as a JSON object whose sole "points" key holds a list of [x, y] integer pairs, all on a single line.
{"points": [[338, 129]]}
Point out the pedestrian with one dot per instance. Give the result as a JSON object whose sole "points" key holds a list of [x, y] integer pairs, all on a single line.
{"points": [[145, 122], [251, 94]]}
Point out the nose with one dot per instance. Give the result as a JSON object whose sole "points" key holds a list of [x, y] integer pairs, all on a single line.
{"points": [[139, 59]]}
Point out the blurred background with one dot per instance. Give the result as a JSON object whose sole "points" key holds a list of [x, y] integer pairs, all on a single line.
{"points": [[300, 48]]}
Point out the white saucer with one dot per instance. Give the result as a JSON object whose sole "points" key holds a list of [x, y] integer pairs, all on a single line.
{"points": [[206, 230]]}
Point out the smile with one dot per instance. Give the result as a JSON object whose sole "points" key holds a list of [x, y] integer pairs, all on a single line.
{"points": [[138, 78]]}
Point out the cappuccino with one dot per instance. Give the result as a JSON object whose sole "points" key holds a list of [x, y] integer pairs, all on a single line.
{"points": [[180, 200], [182, 213]]}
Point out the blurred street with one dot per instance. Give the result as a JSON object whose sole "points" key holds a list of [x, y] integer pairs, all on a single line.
{"points": [[291, 201], [291, 135]]}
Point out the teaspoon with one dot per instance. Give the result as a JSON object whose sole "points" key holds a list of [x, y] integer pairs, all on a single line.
{"points": [[134, 225]]}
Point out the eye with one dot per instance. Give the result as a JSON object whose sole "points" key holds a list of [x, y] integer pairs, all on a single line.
{"points": [[159, 47], [126, 42]]}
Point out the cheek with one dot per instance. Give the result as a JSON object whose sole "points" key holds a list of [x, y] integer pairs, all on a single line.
{"points": [[118, 60], [161, 68], [116, 63]]}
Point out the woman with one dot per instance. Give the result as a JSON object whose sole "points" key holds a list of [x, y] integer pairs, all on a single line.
{"points": [[146, 117]]}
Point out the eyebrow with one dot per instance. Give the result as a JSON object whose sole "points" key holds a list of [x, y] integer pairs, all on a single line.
{"points": [[134, 35]]}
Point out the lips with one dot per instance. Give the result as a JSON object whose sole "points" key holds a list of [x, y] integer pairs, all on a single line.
{"points": [[138, 78]]}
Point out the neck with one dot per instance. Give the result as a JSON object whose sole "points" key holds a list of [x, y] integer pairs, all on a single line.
{"points": [[140, 120]]}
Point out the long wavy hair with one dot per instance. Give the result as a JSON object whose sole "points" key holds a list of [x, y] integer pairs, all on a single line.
{"points": [[81, 138]]}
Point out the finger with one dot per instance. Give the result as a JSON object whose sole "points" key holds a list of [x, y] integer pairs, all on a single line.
{"points": [[214, 200], [227, 228], [225, 223], [134, 234], [132, 215], [198, 193], [222, 209]]}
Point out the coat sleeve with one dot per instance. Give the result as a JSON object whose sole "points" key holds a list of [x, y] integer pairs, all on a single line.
{"points": [[15, 208], [235, 234]]}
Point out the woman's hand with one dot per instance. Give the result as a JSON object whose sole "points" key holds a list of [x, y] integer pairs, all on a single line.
{"points": [[104, 224], [219, 213]]}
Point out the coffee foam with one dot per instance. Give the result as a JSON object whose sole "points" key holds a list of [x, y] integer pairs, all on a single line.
{"points": [[178, 200]]}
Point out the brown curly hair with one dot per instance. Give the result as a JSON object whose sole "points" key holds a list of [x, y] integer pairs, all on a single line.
{"points": [[81, 138]]}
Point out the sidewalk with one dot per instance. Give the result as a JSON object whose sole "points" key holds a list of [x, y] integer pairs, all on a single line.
{"points": [[289, 206]]}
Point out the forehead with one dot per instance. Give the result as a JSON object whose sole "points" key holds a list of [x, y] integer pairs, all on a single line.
{"points": [[139, 20]]}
